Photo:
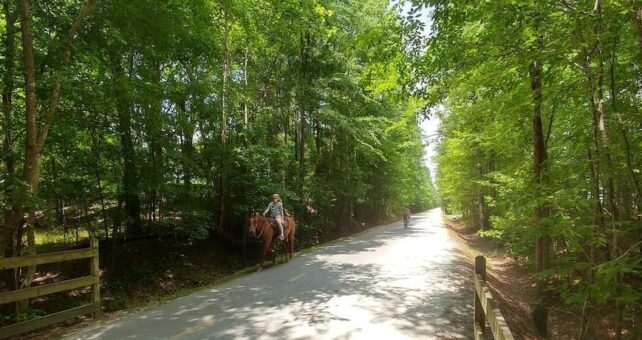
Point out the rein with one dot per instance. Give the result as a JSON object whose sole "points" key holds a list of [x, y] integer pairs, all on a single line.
{"points": [[262, 230]]}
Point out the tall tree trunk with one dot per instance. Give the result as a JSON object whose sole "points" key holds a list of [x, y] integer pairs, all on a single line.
{"points": [[12, 216], [482, 210], [155, 129], [101, 195], [598, 220], [302, 100], [187, 144], [599, 148], [54, 97], [32, 157], [601, 127], [623, 131], [223, 130], [540, 178], [188, 153], [616, 242], [130, 189], [59, 202], [246, 105], [540, 168], [34, 139], [595, 163]]}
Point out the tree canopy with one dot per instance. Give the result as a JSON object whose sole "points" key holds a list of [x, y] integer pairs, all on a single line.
{"points": [[130, 118], [540, 139]]}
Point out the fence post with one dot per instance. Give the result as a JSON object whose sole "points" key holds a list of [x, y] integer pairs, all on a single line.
{"points": [[95, 271], [480, 269]]}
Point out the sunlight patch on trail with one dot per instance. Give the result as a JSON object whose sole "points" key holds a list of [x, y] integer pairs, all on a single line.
{"points": [[387, 282]]}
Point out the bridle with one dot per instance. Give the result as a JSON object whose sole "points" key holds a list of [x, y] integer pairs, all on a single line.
{"points": [[252, 220]]}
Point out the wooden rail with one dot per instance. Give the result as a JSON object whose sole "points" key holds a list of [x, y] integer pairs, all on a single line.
{"points": [[486, 308], [92, 280]]}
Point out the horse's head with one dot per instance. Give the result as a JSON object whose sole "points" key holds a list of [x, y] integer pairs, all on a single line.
{"points": [[254, 222]]}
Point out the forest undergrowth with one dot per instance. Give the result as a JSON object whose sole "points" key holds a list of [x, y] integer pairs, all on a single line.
{"points": [[143, 273], [513, 286]]}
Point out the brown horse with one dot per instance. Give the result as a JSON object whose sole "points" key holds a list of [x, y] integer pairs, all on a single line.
{"points": [[261, 228]]}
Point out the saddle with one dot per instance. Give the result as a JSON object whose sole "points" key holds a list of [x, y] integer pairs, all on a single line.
{"points": [[275, 225]]}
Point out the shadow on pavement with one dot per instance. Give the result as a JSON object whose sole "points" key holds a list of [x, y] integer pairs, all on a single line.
{"points": [[387, 282]]}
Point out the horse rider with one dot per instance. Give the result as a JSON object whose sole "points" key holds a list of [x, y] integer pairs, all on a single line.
{"points": [[275, 208]]}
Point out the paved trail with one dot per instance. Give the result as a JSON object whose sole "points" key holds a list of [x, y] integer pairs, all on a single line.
{"points": [[385, 283]]}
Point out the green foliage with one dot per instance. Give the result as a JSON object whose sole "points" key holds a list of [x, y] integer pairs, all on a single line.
{"points": [[475, 70], [315, 109]]}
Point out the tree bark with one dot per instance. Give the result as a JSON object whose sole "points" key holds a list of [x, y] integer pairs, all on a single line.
{"points": [[155, 132], [246, 106], [541, 212], [187, 144], [35, 138], [616, 238], [623, 131], [54, 97], [223, 130], [101, 195], [131, 180], [32, 157], [603, 134], [303, 87], [599, 154], [13, 215], [482, 210], [540, 168], [594, 157]]}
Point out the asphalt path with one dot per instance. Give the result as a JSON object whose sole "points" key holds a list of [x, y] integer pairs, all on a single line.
{"points": [[385, 283]]}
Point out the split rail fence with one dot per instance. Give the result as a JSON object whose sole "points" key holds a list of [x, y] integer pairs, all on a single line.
{"points": [[93, 280], [486, 309]]}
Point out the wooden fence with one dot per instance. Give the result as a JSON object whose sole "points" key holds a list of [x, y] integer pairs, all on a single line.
{"points": [[92, 280], [486, 308]]}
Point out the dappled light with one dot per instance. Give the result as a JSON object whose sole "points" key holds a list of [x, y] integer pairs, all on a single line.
{"points": [[180, 144], [156, 128], [385, 282]]}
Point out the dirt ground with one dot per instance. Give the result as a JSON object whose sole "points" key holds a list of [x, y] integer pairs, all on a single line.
{"points": [[513, 288], [140, 275], [147, 273]]}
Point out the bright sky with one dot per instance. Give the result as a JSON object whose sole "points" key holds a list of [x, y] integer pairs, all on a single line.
{"points": [[429, 129], [428, 126]]}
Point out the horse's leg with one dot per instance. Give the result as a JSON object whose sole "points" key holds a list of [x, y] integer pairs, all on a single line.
{"points": [[285, 247], [292, 244], [274, 257], [266, 249], [274, 253]]}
